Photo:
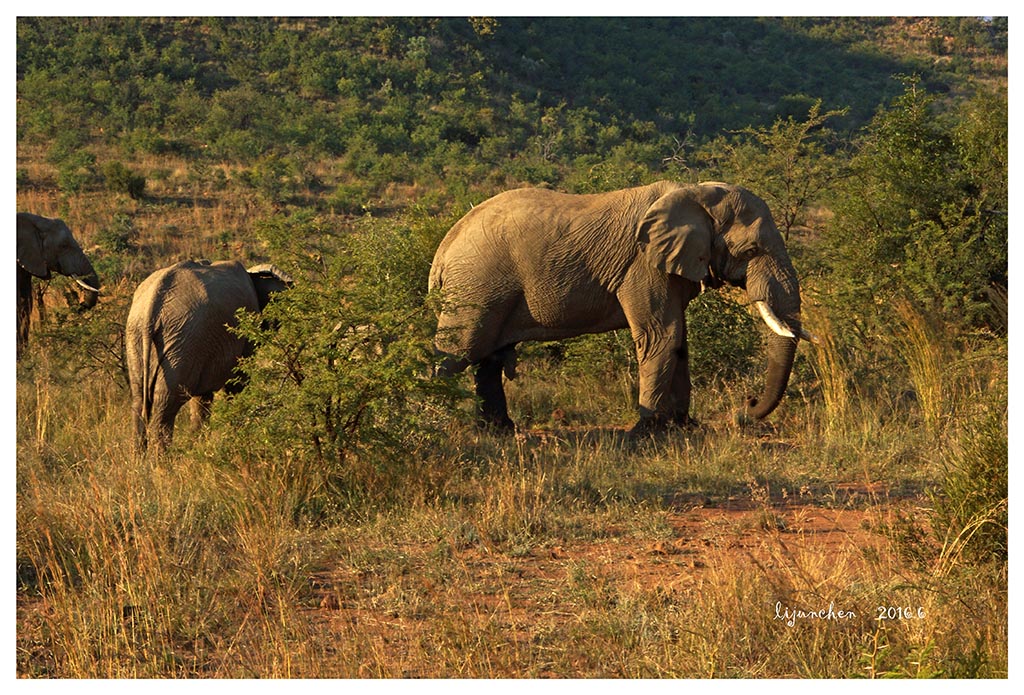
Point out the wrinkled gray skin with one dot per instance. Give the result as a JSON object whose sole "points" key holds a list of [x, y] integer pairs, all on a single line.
{"points": [[534, 264], [177, 342], [46, 246]]}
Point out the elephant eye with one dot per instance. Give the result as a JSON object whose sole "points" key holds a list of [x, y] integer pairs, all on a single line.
{"points": [[747, 254]]}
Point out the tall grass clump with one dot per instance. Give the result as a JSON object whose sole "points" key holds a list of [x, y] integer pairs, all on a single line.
{"points": [[134, 567], [928, 360], [831, 367], [972, 509]]}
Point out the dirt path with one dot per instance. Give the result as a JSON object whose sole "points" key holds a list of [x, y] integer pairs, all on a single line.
{"points": [[529, 597]]}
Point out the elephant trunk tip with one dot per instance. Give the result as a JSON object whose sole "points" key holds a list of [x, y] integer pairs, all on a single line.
{"points": [[781, 353], [88, 290], [755, 410]]}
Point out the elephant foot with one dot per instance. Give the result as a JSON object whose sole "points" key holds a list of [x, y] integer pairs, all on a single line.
{"points": [[492, 410], [686, 422], [496, 425], [648, 425], [659, 424]]}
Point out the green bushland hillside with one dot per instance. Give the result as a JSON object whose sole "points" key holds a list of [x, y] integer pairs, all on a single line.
{"points": [[342, 150]]}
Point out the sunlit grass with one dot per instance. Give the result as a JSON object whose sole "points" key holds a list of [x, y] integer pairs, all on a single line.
{"points": [[556, 552]]}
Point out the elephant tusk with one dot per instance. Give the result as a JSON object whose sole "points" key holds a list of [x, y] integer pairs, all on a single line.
{"points": [[809, 337], [86, 286], [772, 320]]}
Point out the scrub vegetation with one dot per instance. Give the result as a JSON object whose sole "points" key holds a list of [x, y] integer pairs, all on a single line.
{"points": [[343, 517]]}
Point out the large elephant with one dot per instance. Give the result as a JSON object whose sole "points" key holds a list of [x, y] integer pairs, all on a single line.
{"points": [[178, 343], [535, 264], [47, 246]]}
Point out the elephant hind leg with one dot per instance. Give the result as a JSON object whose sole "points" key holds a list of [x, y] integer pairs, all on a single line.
{"points": [[200, 407], [493, 408], [24, 305], [161, 423], [141, 428]]}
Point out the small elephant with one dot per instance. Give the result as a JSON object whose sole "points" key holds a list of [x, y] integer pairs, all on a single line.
{"points": [[177, 343], [47, 246], [535, 264]]}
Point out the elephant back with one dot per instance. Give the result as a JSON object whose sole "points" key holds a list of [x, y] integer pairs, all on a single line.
{"points": [[191, 304]]}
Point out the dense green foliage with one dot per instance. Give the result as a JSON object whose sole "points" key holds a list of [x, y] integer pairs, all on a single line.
{"points": [[444, 100], [342, 371], [923, 212]]}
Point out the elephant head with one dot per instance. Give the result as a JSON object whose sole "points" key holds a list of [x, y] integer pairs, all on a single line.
{"points": [[716, 233], [268, 279], [46, 246]]}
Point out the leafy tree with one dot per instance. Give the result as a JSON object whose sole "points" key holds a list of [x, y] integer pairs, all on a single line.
{"points": [[790, 164], [922, 215]]}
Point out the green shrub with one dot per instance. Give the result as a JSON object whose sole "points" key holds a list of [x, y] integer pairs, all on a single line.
{"points": [[119, 236], [148, 141], [340, 380], [723, 338], [66, 145], [603, 354], [120, 179], [349, 199], [76, 171], [924, 216]]}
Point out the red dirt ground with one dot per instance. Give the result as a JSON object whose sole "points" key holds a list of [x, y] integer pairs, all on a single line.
{"points": [[526, 593]]}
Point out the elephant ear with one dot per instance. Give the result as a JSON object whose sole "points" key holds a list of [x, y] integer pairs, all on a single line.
{"points": [[676, 235], [30, 247], [268, 279]]}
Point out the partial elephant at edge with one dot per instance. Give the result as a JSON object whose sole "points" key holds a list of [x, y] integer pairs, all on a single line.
{"points": [[46, 246]]}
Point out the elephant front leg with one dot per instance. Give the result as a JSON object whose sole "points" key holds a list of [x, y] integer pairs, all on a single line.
{"points": [[682, 386], [658, 358]]}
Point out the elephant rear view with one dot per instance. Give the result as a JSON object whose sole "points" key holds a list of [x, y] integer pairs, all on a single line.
{"points": [[177, 338]]}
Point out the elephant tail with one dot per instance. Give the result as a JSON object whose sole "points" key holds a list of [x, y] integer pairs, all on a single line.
{"points": [[141, 377], [435, 281], [151, 351]]}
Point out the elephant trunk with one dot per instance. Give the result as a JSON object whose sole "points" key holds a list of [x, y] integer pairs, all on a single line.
{"points": [[773, 286], [781, 352]]}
